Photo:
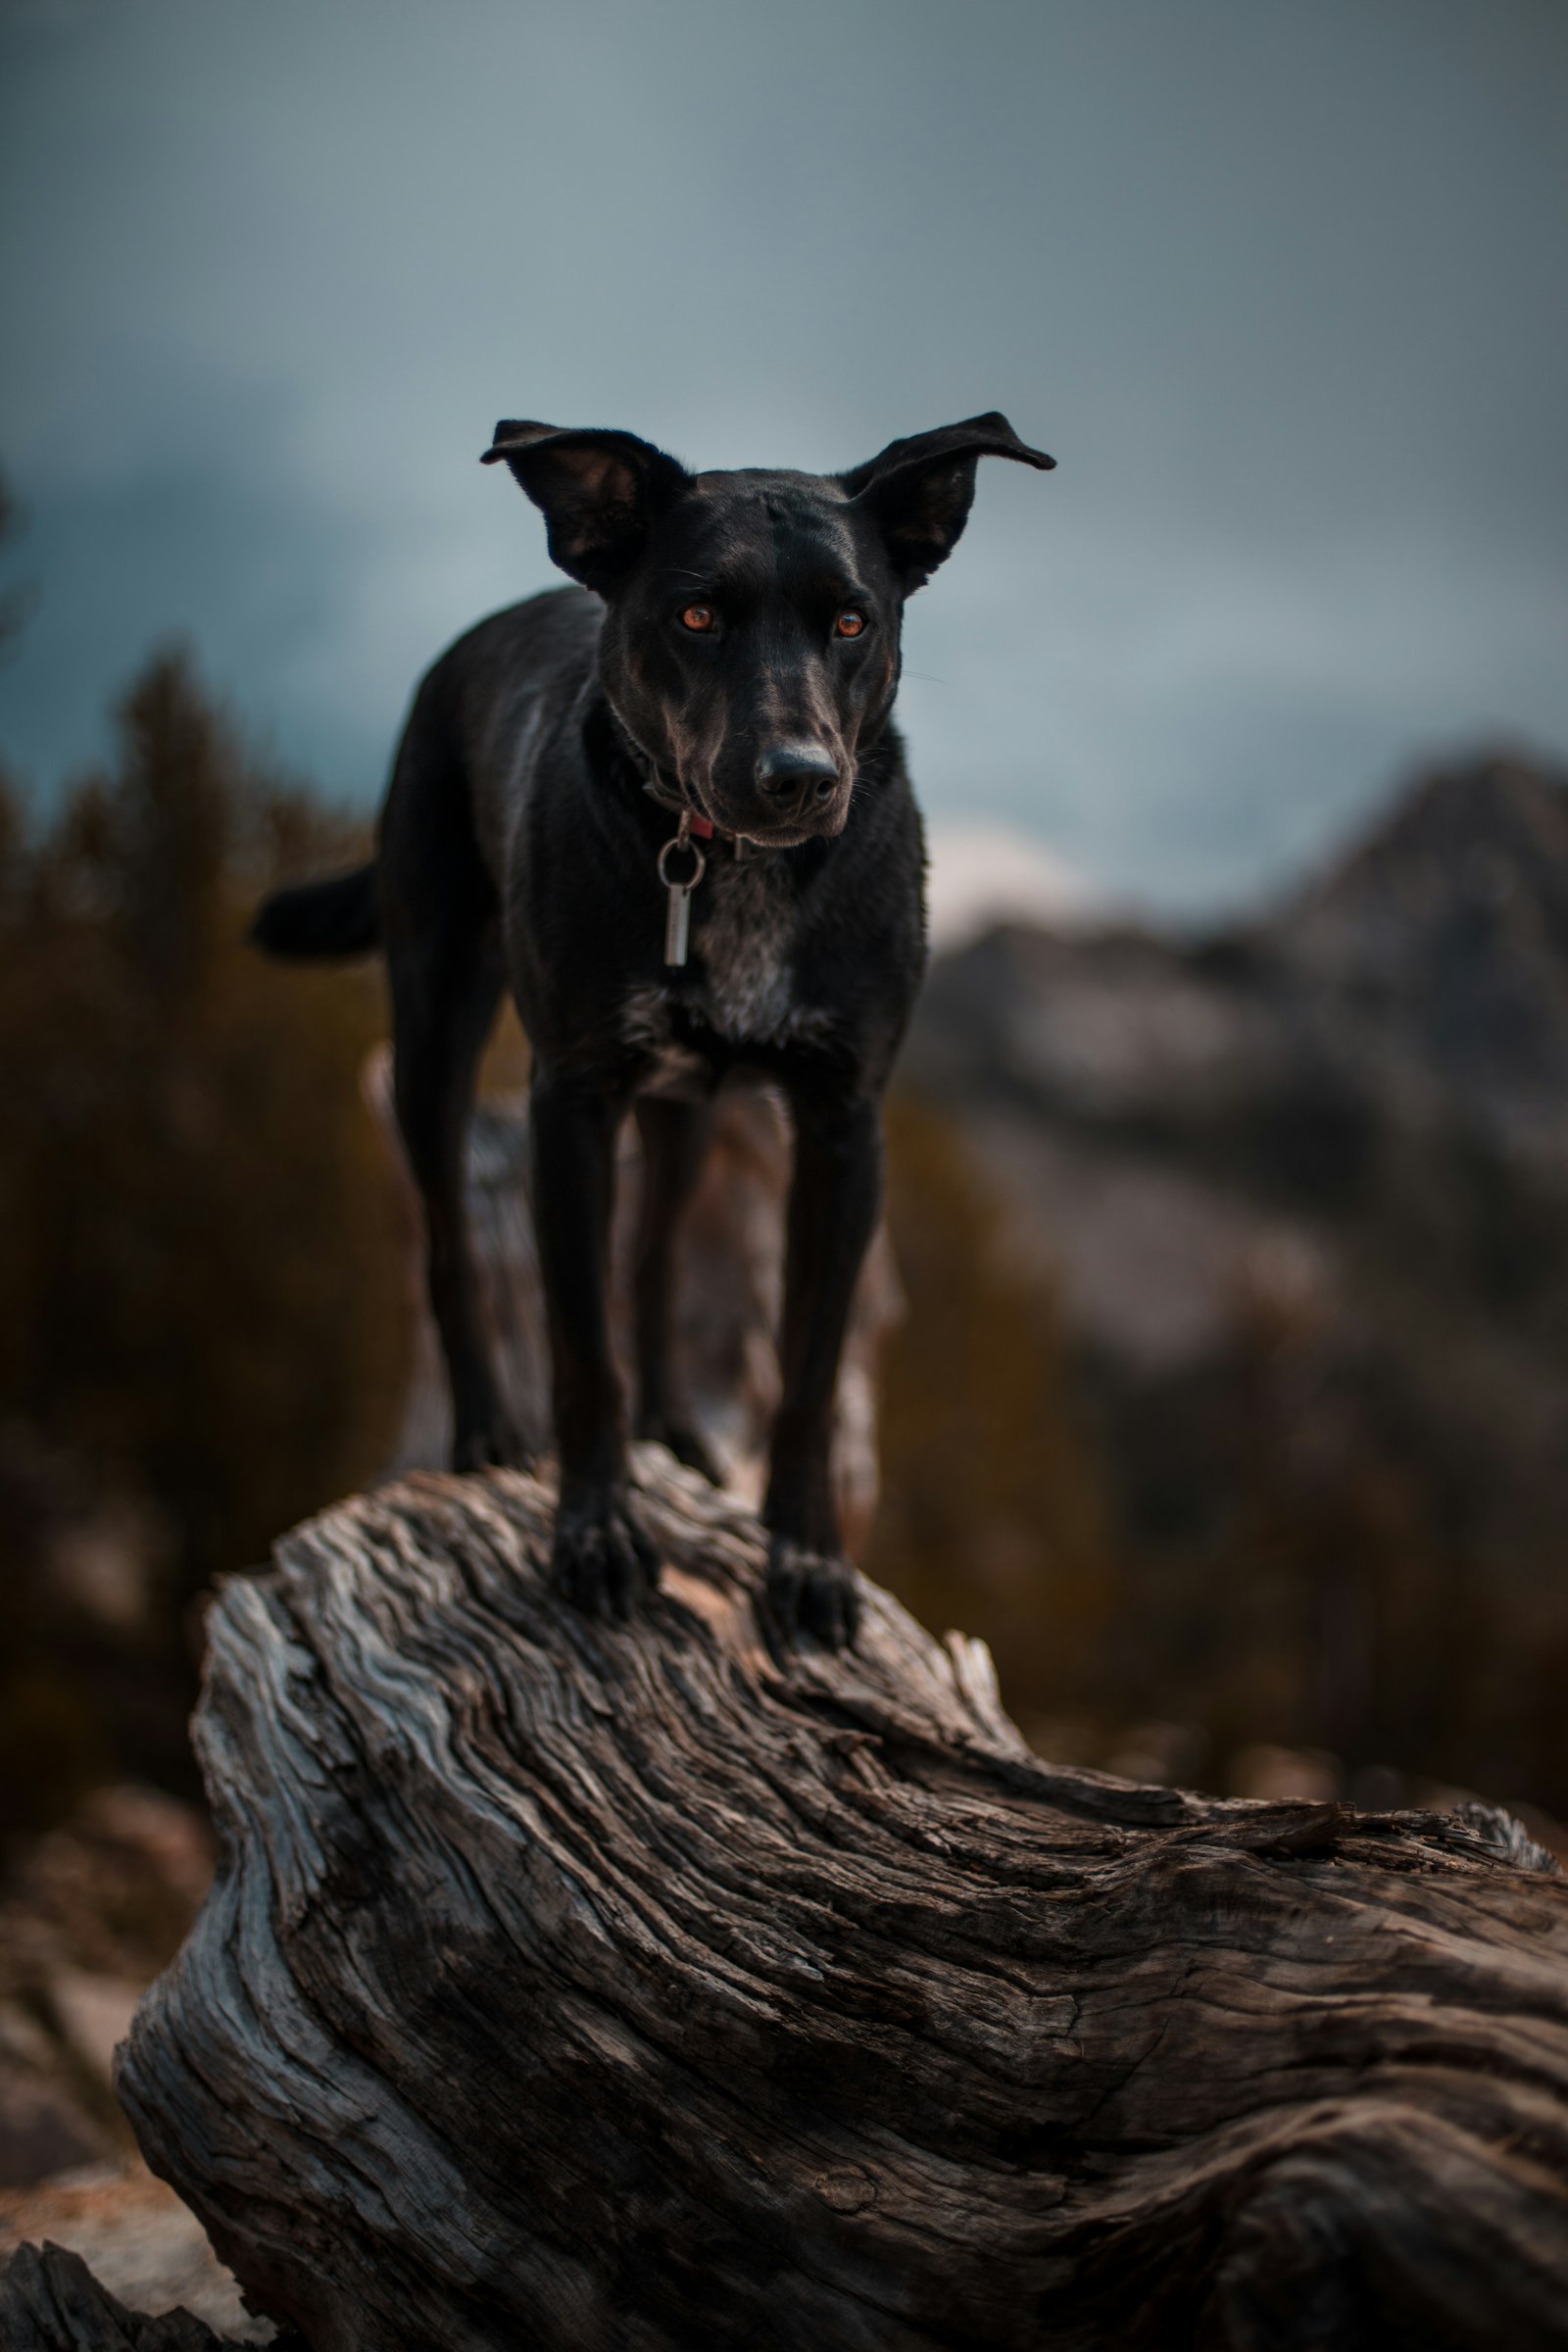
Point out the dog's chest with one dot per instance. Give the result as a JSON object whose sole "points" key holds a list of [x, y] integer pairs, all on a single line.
{"points": [[741, 982], [744, 917]]}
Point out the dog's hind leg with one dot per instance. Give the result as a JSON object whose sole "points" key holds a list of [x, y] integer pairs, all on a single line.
{"points": [[674, 1139], [446, 987]]}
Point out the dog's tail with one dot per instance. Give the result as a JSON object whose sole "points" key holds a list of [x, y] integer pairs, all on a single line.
{"points": [[341, 916]]}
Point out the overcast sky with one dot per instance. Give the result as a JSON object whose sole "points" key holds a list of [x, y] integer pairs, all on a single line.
{"points": [[1284, 288]]}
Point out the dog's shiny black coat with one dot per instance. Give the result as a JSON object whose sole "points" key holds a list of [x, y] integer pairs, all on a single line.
{"points": [[732, 649]]}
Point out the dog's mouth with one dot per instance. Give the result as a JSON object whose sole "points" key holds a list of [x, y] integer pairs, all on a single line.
{"points": [[791, 836], [814, 814], [780, 833]]}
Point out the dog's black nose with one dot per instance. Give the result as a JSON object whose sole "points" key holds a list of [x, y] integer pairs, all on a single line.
{"points": [[798, 772]]}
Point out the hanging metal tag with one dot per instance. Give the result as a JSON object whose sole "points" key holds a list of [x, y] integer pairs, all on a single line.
{"points": [[677, 895], [678, 923]]}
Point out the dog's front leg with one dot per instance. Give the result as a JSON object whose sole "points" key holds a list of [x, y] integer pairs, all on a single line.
{"points": [[834, 1201], [603, 1560], [674, 1138]]}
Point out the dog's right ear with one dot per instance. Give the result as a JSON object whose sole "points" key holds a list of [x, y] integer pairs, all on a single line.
{"points": [[600, 493]]}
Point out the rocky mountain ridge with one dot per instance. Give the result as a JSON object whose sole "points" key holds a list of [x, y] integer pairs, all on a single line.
{"points": [[1300, 1189]]}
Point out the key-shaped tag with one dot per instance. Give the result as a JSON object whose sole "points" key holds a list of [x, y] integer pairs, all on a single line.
{"points": [[677, 895]]}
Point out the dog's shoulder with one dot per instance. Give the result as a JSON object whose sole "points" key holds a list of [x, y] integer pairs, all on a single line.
{"points": [[506, 691], [546, 638]]}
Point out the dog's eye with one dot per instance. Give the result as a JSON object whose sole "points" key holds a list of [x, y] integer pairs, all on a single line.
{"points": [[697, 618], [850, 624]]}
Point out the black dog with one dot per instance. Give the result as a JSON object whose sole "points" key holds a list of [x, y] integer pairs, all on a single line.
{"points": [[692, 747]]}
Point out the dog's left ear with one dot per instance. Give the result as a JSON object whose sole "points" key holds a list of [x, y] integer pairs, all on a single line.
{"points": [[600, 493], [919, 491]]}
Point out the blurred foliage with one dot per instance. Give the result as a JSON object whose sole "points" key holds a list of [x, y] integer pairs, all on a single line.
{"points": [[1270, 1555], [995, 1514], [1268, 1558], [202, 1285]]}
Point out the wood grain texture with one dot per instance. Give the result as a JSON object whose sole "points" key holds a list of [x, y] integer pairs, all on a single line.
{"points": [[570, 1985]]}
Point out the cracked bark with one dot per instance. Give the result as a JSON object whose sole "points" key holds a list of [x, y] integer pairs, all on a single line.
{"points": [[572, 1986]]}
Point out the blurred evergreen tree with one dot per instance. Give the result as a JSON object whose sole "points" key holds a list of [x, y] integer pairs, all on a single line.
{"points": [[202, 1251]]}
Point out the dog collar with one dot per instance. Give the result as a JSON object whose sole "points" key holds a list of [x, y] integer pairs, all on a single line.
{"points": [[694, 822], [672, 796]]}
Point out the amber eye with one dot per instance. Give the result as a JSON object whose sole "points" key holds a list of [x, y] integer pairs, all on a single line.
{"points": [[697, 618], [850, 624]]}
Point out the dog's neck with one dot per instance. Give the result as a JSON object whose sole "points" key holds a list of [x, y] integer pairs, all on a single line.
{"points": [[662, 787]]}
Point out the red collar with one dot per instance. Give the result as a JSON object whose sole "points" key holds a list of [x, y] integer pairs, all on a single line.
{"points": [[701, 826]]}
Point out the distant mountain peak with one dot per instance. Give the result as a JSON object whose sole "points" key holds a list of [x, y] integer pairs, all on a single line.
{"points": [[1479, 831]]}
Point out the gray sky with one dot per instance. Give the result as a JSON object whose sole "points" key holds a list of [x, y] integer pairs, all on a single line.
{"points": [[1284, 288]]}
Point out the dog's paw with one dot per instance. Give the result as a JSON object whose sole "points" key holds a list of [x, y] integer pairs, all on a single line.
{"points": [[603, 1562], [496, 1444], [813, 1592], [685, 1445]]}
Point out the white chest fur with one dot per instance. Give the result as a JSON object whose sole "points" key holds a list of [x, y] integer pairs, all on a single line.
{"points": [[744, 924], [743, 981]]}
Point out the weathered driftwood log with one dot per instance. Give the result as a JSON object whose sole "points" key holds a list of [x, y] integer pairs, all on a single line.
{"points": [[570, 1985]]}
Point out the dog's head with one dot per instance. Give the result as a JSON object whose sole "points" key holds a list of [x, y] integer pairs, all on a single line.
{"points": [[751, 641]]}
